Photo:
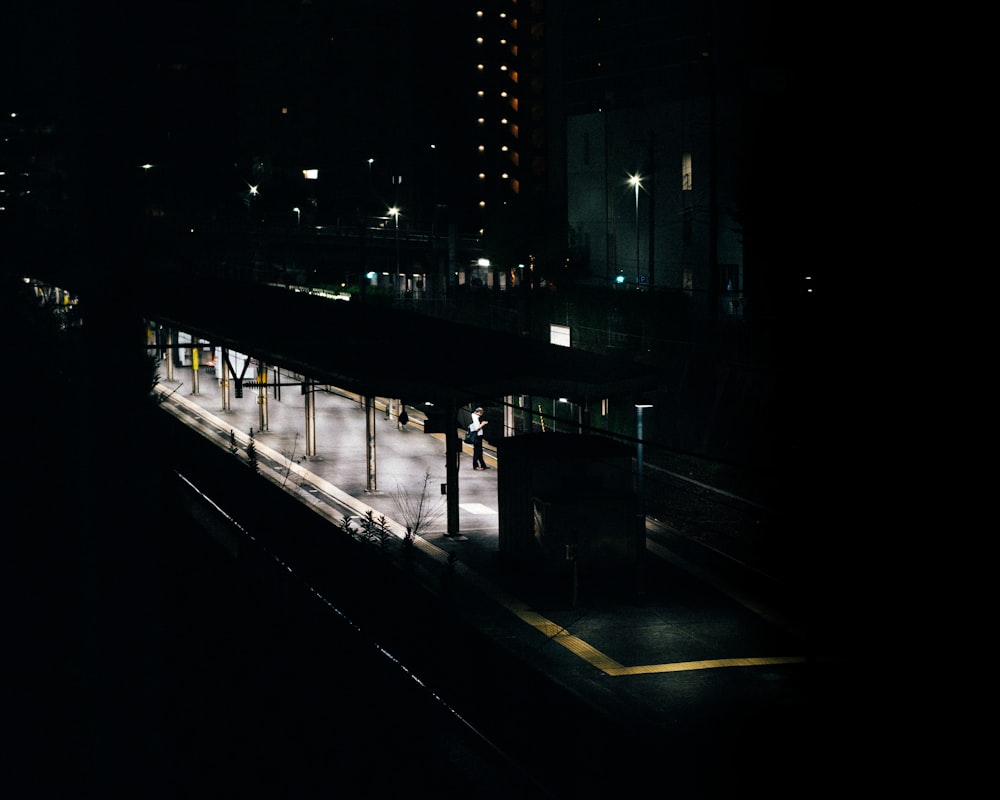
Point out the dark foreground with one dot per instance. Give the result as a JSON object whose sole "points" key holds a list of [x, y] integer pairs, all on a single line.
{"points": [[145, 660]]}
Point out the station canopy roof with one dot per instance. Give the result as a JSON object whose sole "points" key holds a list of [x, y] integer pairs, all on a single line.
{"points": [[378, 350]]}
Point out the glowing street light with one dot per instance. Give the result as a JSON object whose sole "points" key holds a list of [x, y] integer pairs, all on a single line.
{"points": [[298, 215]]}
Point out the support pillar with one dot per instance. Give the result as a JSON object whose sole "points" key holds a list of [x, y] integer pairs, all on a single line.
{"points": [[309, 390], [262, 395], [224, 381], [372, 480], [453, 457], [195, 364], [170, 354]]}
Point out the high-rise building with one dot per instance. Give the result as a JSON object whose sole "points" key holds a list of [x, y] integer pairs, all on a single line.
{"points": [[510, 114]]}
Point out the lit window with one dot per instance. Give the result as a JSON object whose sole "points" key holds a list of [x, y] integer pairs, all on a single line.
{"points": [[687, 180]]}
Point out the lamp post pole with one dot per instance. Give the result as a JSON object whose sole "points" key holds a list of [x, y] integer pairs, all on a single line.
{"points": [[640, 534], [394, 211], [370, 195], [636, 182]]}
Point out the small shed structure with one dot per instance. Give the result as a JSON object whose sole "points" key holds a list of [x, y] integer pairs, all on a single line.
{"points": [[568, 497]]}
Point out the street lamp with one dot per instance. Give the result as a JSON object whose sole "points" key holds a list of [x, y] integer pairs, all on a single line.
{"points": [[298, 215], [394, 212], [636, 181]]}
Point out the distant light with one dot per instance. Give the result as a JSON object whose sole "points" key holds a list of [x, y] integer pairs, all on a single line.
{"points": [[483, 262], [310, 174], [371, 275], [620, 279], [147, 166]]}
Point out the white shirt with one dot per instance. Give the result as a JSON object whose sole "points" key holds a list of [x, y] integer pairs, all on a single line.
{"points": [[476, 424]]}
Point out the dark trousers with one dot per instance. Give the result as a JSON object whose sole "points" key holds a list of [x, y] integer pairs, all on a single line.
{"points": [[477, 453]]}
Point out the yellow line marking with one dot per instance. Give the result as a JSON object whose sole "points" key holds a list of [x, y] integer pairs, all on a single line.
{"points": [[715, 663], [609, 666]]}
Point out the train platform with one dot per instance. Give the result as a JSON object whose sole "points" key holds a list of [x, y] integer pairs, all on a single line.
{"points": [[689, 655]]}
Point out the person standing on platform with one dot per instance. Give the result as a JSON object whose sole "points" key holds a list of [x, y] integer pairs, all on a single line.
{"points": [[478, 423]]}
